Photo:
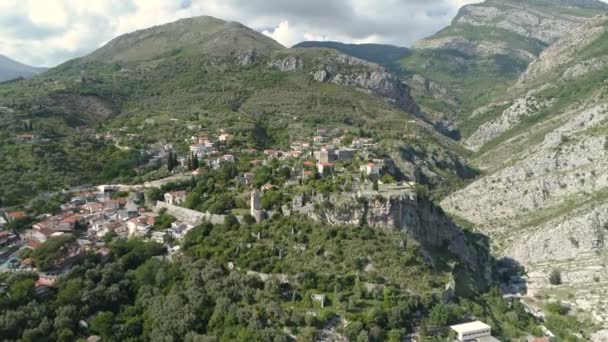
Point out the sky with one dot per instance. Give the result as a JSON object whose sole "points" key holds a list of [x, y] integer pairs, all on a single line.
{"points": [[49, 32]]}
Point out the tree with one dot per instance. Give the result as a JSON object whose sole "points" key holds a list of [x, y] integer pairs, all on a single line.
{"points": [[195, 163], [231, 222], [555, 278], [375, 185], [170, 162], [439, 316], [103, 324]]}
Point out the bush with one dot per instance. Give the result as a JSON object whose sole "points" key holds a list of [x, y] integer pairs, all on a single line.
{"points": [[231, 222], [555, 278]]}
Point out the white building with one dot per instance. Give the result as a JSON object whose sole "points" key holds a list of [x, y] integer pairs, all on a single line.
{"points": [[325, 168], [473, 331], [370, 169], [159, 236], [175, 197]]}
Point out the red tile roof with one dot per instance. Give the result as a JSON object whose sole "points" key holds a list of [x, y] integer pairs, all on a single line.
{"points": [[15, 215], [33, 244]]}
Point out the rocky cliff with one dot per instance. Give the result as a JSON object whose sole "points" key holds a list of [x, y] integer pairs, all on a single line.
{"points": [[483, 52], [543, 198], [419, 218], [326, 65]]}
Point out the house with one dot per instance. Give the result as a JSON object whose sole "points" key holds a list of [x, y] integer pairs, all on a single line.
{"points": [[179, 230], [325, 168], [473, 331], [318, 139], [159, 236], [326, 155], [175, 197], [140, 226], [32, 244], [93, 207], [39, 235], [227, 158], [26, 137], [307, 174], [224, 137], [248, 177], [308, 163], [370, 169], [346, 154], [273, 153], [198, 149], [15, 215], [6, 238], [132, 209]]}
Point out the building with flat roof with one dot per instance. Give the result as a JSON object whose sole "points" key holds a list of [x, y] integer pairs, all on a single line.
{"points": [[473, 331]]}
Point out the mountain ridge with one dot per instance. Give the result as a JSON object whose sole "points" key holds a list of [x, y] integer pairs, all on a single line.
{"points": [[204, 34], [382, 54], [12, 69]]}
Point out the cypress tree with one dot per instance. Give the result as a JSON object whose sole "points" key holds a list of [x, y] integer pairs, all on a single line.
{"points": [[170, 160], [195, 162]]}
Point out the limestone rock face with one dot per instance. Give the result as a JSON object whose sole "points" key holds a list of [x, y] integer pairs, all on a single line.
{"points": [[290, 63], [474, 48], [331, 66], [419, 218], [523, 18], [564, 51], [376, 80], [522, 107]]}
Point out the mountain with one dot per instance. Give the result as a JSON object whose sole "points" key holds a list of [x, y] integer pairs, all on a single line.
{"points": [[392, 259], [11, 69], [543, 197], [200, 35], [376, 53], [205, 72], [484, 50]]}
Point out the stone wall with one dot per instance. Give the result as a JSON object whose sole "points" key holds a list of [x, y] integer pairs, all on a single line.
{"points": [[190, 216]]}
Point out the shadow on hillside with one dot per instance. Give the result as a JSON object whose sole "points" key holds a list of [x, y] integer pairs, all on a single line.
{"points": [[510, 275]]}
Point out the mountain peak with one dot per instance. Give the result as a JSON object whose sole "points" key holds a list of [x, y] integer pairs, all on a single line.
{"points": [[198, 35], [11, 69]]}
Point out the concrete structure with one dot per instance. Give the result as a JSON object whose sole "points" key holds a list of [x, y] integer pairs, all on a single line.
{"points": [[175, 197], [256, 206], [326, 155], [325, 168], [473, 331], [370, 169], [256, 199], [346, 154]]}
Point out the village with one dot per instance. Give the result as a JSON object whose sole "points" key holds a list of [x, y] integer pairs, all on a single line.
{"points": [[93, 215], [161, 211]]}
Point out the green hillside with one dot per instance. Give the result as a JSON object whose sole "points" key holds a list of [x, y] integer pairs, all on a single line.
{"points": [[167, 83], [377, 53]]}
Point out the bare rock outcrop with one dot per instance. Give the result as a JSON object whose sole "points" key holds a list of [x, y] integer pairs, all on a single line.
{"points": [[418, 217]]}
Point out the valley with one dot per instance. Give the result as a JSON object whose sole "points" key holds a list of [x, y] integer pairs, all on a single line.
{"points": [[197, 180]]}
